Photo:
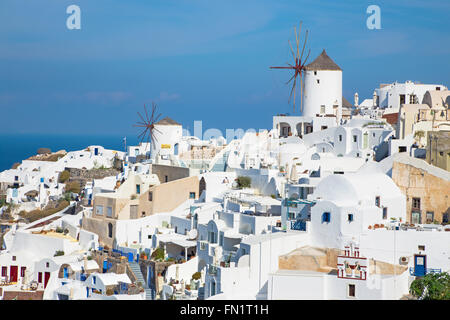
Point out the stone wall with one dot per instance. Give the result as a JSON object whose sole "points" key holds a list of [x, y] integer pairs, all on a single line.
{"points": [[23, 295], [83, 175], [434, 192]]}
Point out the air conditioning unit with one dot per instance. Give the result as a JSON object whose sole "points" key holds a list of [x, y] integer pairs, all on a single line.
{"points": [[404, 260]]}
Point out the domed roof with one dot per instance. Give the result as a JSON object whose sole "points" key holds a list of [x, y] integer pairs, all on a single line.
{"points": [[323, 62]]}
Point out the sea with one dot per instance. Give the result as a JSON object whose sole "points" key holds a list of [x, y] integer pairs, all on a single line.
{"points": [[18, 147]]}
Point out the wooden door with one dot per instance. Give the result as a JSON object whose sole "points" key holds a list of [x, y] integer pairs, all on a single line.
{"points": [[13, 273]]}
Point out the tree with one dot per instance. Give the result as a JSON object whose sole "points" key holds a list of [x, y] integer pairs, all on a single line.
{"points": [[64, 176], [244, 182], [433, 286]]}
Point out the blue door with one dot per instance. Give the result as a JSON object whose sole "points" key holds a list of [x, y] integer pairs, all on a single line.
{"points": [[66, 273], [420, 265], [87, 292], [96, 151], [130, 256]]}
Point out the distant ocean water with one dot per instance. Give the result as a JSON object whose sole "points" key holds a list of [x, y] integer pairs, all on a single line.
{"points": [[18, 147]]}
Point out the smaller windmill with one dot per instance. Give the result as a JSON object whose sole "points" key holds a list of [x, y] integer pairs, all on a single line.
{"points": [[148, 125], [298, 66]]}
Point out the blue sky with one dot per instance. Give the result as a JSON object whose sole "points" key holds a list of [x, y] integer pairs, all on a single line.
{"points": [[199, 59]]}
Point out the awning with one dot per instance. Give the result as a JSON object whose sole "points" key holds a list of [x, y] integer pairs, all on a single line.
{"points": [[184, 243]]}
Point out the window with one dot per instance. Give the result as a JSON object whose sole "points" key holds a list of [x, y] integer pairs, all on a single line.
{"points": [[202, 245], [166, 178], [340, 137], [191, 195], [22, 271], [315, 73], [355, 138], [110, 229], [212, 237], [47, 265], [430, 216], [421, 248], [318, 81], [326, 217], [99, 210], [402, 99], [402, 149], [40, 277], [322, 109], [94, 279], [14, 258], [143, 213], [149, 236], [412, 99], [438, 88], [109, 212], [445, 218], [350, 217], [384, 213], [4, 271], [351, 290], [416, 203], [377, 201], [138, 189], [16, 178], [150, 196]]}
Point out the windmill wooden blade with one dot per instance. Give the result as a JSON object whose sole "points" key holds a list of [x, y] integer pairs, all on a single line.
{"points": [[293, 92], [146, 113], [159, 115], [298, 41], [291, 78], [141, 117], [304, 44], [292, 50], [307, 56]]}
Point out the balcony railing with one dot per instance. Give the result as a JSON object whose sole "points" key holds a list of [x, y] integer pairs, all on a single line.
{"points": [[413, 272], [212, 270]]}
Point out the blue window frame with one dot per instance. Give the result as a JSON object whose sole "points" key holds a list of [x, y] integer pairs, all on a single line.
{"points": [[138, 188], [326, 217], [191, 195], [350, 217]]}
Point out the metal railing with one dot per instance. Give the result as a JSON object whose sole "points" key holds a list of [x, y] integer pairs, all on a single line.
{"points": [[412, 271]]}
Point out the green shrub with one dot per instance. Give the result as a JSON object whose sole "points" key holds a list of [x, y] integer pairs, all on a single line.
{"points": [[433, 286], [64, 176], [157, 254], [196, 276], [73, 186], [39, 214], [59, 253], [244, 182]]}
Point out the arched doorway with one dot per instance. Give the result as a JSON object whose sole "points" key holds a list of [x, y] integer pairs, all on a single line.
{"points": [[202, 186]]}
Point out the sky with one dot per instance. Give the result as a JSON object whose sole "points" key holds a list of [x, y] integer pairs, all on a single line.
{"points": [[202, 60]]}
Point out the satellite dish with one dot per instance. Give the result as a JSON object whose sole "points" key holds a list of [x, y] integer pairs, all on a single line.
{"points": [[193, 234]]}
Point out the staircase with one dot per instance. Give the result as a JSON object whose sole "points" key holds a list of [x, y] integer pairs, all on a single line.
{"points": [[136, 269], [221, 163]]}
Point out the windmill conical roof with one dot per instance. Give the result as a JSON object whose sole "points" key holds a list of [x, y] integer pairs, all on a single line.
{"points": [[323, 62], [168, 122]]}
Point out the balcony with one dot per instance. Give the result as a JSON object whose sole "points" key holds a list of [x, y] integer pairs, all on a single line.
{"points": [[212, 270], [418, 273]]}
